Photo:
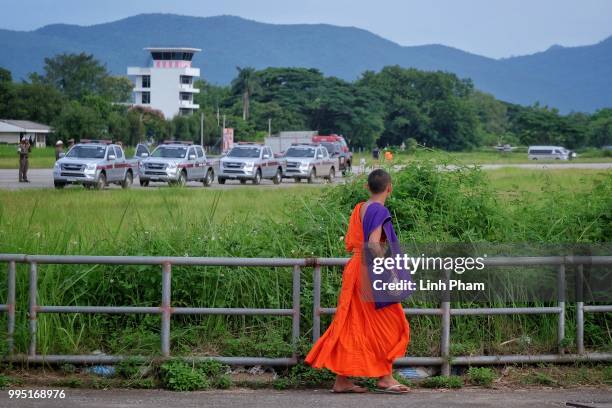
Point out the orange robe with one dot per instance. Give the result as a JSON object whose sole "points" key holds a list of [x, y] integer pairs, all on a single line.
{"points": [[361, 341]]}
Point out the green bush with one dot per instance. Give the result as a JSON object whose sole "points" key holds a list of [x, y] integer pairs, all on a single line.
{"points": [[179, 376], [281, 383], [452, 381], [302, 375], [5, 381], [481, 376], [223, 382], [212, 368]]}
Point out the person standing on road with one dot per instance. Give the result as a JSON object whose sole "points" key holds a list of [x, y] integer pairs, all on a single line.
{"points": [[59, 148], [389, 156], [365, 336], [24, 150]]}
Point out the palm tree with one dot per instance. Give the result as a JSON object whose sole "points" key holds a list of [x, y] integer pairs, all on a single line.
{"points": [[246, 83]]}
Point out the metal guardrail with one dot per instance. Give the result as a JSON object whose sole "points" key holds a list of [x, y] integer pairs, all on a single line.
{"points": [[166, 310]]}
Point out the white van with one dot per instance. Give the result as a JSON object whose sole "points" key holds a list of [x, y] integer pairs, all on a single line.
{"points": [[548, 153]]}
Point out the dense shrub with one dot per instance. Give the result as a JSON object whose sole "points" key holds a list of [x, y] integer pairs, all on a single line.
{"points": [[180, 376], [481, 376]]}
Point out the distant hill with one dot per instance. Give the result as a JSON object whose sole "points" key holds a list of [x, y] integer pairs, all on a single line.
{"points": [[577, 78]]}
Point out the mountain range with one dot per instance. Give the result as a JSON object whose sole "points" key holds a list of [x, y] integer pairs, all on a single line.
{"points": [[567, 78]]}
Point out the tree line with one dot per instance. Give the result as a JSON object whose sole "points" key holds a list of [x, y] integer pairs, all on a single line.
{"points": [[79, 98]]}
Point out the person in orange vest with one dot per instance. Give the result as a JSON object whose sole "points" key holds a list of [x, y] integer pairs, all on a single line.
{"points": [[24, 150], [388, 155]]}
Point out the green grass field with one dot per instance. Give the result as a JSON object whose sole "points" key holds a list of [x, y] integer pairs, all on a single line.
{"points": [[291, 222], [484, 156], [115, 212], [513, 181]]}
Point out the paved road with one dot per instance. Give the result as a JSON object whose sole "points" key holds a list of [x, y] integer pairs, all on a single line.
{"points": [[43, 178], [473, 398]]}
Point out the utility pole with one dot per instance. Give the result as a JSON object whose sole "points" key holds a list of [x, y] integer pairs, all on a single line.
{"points": [[202, 129], [223, 129], [269, 127]]}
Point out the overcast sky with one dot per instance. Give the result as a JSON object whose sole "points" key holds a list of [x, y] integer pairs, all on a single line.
{"points": [[495, 28]]}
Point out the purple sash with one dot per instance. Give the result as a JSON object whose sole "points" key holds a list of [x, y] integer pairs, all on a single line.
{"points": [[376, 215]]}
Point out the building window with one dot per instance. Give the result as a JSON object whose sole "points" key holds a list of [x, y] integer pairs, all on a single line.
{"points": [[185, 111], [146, 97], [186, 80], [185, 96], [146, 81]]}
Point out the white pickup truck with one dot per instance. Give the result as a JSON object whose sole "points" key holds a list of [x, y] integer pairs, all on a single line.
{"points": [[97, 163], [251, 161]]}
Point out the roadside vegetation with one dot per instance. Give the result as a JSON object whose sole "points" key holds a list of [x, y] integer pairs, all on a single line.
{"points": [[180, 375], [467, 205]]}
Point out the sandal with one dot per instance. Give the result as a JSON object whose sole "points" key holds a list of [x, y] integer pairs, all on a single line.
{"points": [[393, 389]]}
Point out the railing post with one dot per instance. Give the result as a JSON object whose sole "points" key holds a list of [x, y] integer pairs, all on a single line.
{"points": [[580, 309], [295, 323], [445, 334], [33, 286], [316, 303], [165, 307], [10, 333], [561, 305]]}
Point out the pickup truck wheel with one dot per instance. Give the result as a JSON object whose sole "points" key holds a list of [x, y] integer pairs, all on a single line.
{"points": [[59, 185], [101, 183], [278, 177], [347, 168], [332, 175], [220, 180], [144, 183], [257, 178], [311, 176], [182, 179], [210, 176], [128, 180]]}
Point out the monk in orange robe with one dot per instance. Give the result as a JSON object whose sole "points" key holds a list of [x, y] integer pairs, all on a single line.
{"points": [[362, 340]]}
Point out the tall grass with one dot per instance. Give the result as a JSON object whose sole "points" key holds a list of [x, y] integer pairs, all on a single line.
{"points": [[429, 206]]}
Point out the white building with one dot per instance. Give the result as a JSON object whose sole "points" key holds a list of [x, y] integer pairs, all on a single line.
{"points": [[167, 85], [11, 132]]}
